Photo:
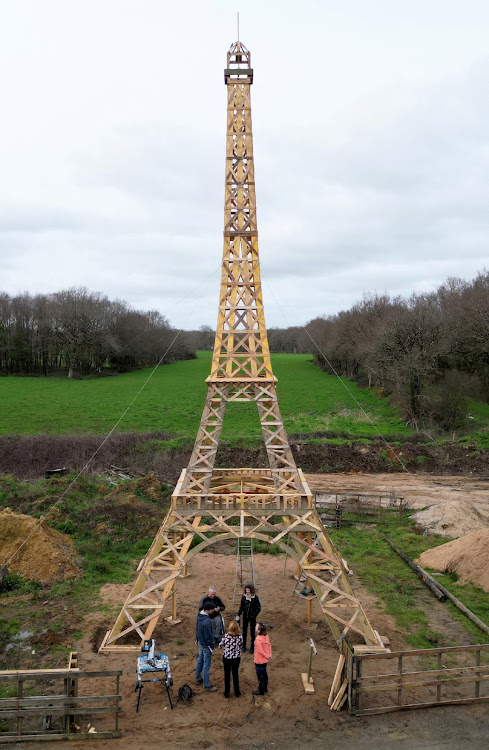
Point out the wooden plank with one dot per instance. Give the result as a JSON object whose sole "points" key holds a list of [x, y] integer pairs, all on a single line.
{"points": [[31, 674], [438, 685], [308, 684], [429, 651], [59, 700], [422, 683], [478, 682], [20, 695], [40, 674], [60, 710], [120, 650], [337, 701], [336, 679], [408, 706], [52, 737], [399, 688], [444, 671], [364, 650]]}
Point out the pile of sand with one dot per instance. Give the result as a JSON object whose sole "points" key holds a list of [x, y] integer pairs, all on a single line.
{"points": [[468, 557], [48, 556], [454, 518]]}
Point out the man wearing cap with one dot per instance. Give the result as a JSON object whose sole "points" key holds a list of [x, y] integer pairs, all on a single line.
{"points": [[217, 621]]}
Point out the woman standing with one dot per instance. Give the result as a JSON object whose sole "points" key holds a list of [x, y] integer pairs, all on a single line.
{"points": [[250, 608], [231, 657], [263, 654]]}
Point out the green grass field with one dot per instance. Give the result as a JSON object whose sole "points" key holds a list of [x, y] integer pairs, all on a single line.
{"points": [[172, 401]]}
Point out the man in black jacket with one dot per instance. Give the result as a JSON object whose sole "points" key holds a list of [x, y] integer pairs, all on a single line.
{"points": [[250, 608], [204, 639]]}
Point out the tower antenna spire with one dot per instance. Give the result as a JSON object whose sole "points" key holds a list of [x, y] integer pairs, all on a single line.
{"points": [[237, 18]]}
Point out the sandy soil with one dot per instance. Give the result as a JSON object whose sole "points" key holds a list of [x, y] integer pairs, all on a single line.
{"points": [[449, 506], [286, 718], [468, 557], [49, 557], [420, 490]]}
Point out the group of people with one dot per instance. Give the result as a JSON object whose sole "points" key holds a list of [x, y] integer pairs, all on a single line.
{"points": [[210, 632]]}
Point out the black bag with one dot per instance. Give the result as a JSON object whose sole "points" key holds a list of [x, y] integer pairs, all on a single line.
{"points": [[185, 694]]}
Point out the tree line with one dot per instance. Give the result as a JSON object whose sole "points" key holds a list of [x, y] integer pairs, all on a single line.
{"points": [[428, 353], [79, 332]]}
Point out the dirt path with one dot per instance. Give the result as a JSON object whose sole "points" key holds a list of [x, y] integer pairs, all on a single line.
{"points": [[286, 718], [455, 506], [420, 490]]}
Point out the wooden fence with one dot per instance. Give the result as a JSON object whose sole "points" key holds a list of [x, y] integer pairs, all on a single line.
{"points": [[384, 682], [52, 705]]}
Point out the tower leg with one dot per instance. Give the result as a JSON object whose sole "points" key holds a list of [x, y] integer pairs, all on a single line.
{"points": [[202, 460]]}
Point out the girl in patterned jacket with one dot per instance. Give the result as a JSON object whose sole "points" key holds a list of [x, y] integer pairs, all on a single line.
{"points": [[231, 658]]}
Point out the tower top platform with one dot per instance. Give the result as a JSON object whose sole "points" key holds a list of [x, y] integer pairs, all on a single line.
{"points": [[238, 64]]}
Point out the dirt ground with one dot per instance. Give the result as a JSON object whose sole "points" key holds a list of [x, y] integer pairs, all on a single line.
{"points": [[420, 490], [286, 717], [453, 505]]}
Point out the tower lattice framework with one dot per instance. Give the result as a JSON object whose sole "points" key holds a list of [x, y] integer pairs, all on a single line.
{"points": [[273, 504]]}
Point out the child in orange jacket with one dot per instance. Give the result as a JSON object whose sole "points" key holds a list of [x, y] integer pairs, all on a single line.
{"points": [[262, 655]]}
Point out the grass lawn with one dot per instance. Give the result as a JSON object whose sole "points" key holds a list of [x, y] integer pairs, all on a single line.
{"points": [[479, 414], [172, 401]]}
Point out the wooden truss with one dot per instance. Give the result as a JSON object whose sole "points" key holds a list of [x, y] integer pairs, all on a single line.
{"points": [[273, 504]]}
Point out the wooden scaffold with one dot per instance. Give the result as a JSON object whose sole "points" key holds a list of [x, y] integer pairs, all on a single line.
{"points": [[272, 504]]}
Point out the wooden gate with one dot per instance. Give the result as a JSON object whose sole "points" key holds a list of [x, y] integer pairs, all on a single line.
{"points": [[53, 704], [379, 683]]}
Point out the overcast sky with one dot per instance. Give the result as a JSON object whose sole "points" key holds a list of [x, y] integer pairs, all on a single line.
{"points": [[371, 135]]}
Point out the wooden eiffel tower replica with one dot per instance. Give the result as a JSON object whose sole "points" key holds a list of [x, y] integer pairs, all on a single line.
{"points": [[273, 504]]}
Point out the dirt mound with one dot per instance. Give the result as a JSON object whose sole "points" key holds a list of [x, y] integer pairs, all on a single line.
{"points": [[150, 486], [123, 512], [48, 556], [454, 518], [468, 557]]}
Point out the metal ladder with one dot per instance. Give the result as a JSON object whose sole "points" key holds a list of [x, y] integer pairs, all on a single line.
{"points": [[245, 572]]}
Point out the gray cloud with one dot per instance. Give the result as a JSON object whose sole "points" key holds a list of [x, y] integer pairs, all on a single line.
{"points": [[372, 159]]}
